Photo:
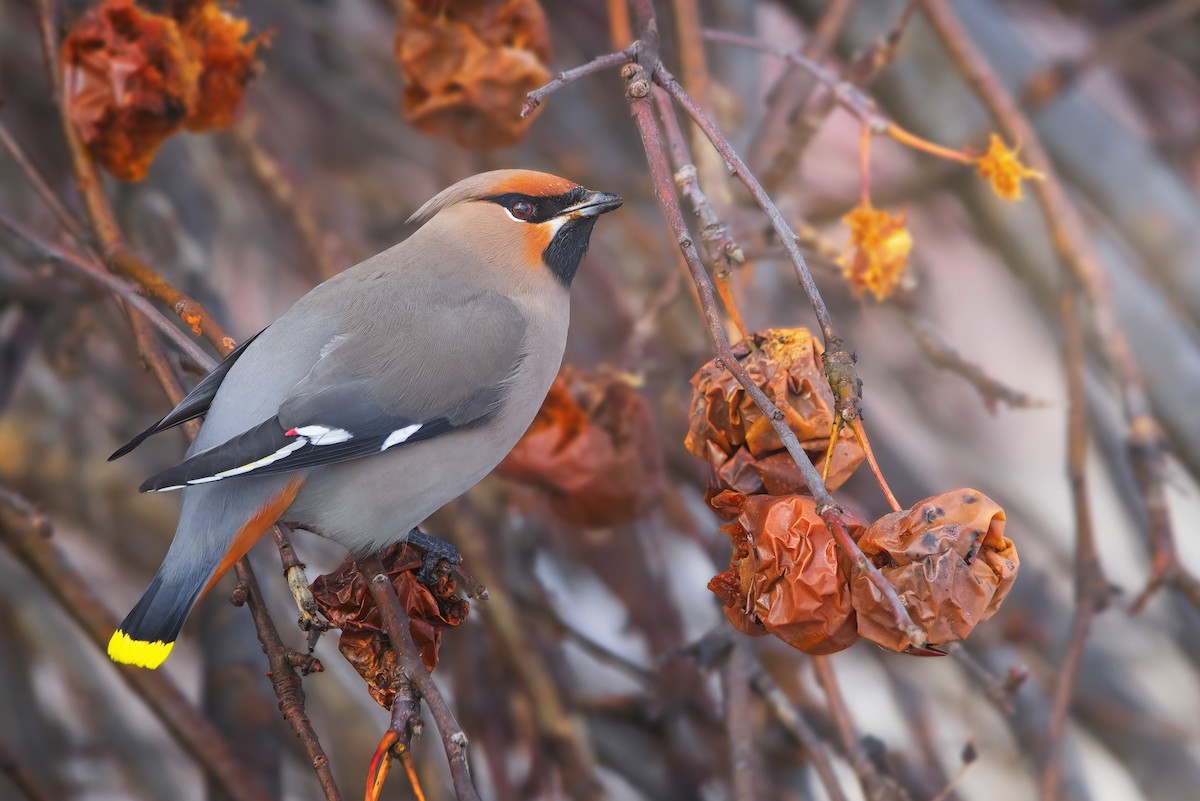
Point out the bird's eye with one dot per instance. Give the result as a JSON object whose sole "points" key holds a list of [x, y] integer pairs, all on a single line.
{"points": [[523, 209]]}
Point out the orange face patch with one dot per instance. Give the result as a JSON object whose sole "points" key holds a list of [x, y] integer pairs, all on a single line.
{"points": [[535, 184], [537, 239]]}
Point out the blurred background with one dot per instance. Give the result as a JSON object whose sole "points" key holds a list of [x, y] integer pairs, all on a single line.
{"points": [[601, 666]]}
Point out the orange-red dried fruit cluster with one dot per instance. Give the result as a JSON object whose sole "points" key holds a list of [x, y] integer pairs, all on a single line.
{"points": [[728, 430], [947, 557], [949, 561], [787, 576], [468, 65], [592, 449], [344, 598], [133, 78]]}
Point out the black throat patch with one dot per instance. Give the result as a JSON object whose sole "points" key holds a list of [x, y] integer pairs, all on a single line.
{"points": [[570, 242]]}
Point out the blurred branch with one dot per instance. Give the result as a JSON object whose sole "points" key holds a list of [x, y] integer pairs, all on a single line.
{"points": [[1045, 85], [271, 176], [793, 722], [395, 623], [941, 354], [739, 723], [876, 787], [23, 780], [94, 272], [1074, 248], [28, 532], [1091, 585]]}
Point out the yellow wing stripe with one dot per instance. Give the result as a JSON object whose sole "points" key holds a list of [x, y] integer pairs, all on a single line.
{"points": [[128, 651]]}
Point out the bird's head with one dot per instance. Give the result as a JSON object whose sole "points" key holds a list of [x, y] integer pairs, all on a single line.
{"points": [[535, 219]]}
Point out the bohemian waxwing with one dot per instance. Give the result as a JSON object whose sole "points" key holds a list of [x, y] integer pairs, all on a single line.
{"points": [[384, 393]]}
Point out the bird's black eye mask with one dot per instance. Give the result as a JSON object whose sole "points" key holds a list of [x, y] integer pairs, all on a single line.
{"points": [[535, 209]]}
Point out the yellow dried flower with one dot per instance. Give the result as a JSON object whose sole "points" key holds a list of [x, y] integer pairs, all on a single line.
{"points": [[879, 248], [1001, 166]]}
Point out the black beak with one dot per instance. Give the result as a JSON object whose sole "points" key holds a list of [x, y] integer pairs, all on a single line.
{"points": [[594, 205]]}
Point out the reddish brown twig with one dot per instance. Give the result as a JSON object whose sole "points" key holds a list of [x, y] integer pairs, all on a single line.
{"points": [[875, 786], [28, 532], [1091, 585], [739, 723], [1073, 245], [789, 717], [1046, 85], [637, 92], [395, 623], [598, 64], [22, 779], [284, 678], [272, 177], [396, 743], [941, 354]]}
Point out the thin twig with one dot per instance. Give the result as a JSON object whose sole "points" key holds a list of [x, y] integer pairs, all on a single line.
{"points": [[271, 176], [739, 723], [285, 681], [598, 64], [637, 92], [875, 786], [1075, 249], [395, 623], [118, 286], [65, 218], [1046, 85], [1091, 586], [941, 354], [22, 779], [789, 717]]}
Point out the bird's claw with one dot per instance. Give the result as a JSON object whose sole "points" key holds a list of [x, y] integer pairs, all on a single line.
{"points": [[438, 557]]}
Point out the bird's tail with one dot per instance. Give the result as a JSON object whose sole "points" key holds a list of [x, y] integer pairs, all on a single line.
{"points": [[148, 632], [198, 557]]}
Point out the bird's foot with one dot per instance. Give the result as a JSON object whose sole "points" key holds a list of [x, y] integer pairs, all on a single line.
{"points": [[311, 619], [438, 557]]}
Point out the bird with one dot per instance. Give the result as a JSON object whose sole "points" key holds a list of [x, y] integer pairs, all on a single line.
{"points": [[381, 395]]}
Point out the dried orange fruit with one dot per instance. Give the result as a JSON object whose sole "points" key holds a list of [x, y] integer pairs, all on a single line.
{"points": [[879, 248], [949, 561], [787, 576], [728, 430], [468, 65], [344, 598], [592, 450]]}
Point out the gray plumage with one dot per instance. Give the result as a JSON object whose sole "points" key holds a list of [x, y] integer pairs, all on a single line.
{"points": [[425, 364]]}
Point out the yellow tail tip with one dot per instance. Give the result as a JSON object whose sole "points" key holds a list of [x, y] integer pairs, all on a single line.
{"points": [[128, 651]]}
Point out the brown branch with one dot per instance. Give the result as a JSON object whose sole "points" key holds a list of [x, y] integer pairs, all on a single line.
{"points": [[119, 287], [285, 681], [271, 176], [28, 532], [598, 64], [1046, 85], [1074, 248], [1000, 691], [395, 623], [637, 93], [790, 125], [941, 354], [876, 787], [1091, 585], [65, 218], [745, 764], [789, 717], [23, 780]]}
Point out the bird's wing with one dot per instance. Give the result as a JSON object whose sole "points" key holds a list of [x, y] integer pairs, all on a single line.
{"points": [[193, 405], [376, 388]]}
